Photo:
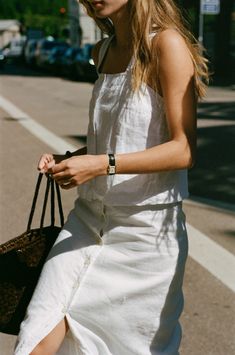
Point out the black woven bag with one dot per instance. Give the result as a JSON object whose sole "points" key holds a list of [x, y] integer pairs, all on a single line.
{"points": [[22, 259]]}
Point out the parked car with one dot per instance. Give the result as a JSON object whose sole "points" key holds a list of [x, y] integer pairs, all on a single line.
{"points": [[30, 52], [68, 61], [15, 48], [2, 59], [55, 59], [84, 64], [44, 48]]}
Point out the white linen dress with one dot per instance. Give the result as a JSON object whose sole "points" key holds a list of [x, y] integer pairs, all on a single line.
{"points": [[116, 269]]}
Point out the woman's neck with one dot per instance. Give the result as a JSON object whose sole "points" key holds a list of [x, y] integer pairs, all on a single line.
{"points": [[123, 30]]}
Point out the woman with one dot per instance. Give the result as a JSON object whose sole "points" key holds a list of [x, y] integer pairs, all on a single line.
{"points": [[112, 283]]}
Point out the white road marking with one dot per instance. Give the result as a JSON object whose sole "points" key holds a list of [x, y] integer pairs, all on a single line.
{"points": [[58, 144], [217, 260], [209, 254]]}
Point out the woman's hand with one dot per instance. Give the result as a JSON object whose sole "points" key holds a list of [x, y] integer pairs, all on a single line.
{"points": [[47, 161], [77, 170]]}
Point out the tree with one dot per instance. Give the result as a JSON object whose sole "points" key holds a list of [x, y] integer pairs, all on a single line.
{"points": [[43, 14]]}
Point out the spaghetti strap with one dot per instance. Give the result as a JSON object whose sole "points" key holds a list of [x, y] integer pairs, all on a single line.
{"points": [[103, 50], [104, 47]]}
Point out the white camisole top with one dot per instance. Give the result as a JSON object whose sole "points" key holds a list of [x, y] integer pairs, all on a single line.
{"points": [[123, 121]]}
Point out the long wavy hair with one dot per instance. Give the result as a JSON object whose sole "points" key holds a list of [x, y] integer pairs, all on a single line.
{"points": [[156, 16]]}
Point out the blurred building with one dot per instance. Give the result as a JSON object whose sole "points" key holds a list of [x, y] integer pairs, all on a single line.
{"points": [[82, 28], [9, 29], [90, 31]]}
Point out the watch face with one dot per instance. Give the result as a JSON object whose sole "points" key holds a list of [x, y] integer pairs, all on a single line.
{"points": [[111, 170]]}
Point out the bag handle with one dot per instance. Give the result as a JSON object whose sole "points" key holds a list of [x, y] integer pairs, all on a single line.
{"points": [[52, 202], [49, 186], [34, 201], [59, 202]]}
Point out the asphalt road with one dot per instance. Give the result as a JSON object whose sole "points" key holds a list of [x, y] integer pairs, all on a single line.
{"points": [[61, 106]]}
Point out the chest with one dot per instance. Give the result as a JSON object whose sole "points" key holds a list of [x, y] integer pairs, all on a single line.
{"points": [[115, 108], [116, 61], [113, 95]]}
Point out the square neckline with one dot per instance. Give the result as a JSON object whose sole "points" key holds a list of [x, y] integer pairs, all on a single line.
{"points": [[104, 55], [110, 75]]}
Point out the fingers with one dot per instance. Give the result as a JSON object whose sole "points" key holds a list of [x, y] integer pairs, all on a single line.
{"points": [[62, 179], [58, 169], [44, 161], [50, 165], [68, 186], [62, 175]]}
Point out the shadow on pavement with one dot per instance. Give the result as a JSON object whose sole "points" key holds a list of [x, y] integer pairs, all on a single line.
{"points": [[230, 233], [213, 175], [217, 110], [82, 139], [21, 69]]}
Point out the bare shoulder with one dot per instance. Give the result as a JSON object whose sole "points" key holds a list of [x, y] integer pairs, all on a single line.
{"points": [[173, 51], [96, 50], [169, 36]]}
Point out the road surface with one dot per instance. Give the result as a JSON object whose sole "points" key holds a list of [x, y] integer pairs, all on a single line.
{"points": [[39, 113]]}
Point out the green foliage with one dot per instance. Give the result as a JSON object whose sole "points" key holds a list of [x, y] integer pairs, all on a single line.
{"points": [[44, 14]]}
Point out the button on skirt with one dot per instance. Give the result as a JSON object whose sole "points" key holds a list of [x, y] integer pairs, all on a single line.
{"points": [[115, 273]]}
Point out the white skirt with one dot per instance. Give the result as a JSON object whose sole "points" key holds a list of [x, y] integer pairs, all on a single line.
{"points": [[115, 273]]}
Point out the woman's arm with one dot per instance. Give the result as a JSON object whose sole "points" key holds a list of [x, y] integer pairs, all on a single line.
{"points": [[176, 77]]}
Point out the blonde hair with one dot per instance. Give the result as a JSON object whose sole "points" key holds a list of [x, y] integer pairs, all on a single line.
{"points": [[156, 16]]}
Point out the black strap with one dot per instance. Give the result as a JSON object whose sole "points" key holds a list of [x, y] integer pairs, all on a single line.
{"points": [[34, 201], [61, 214], [52, 201], [50, 187]]}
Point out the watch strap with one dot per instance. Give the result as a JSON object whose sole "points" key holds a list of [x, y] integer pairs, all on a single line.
{"points": [[112, 165], [68, 154]]}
